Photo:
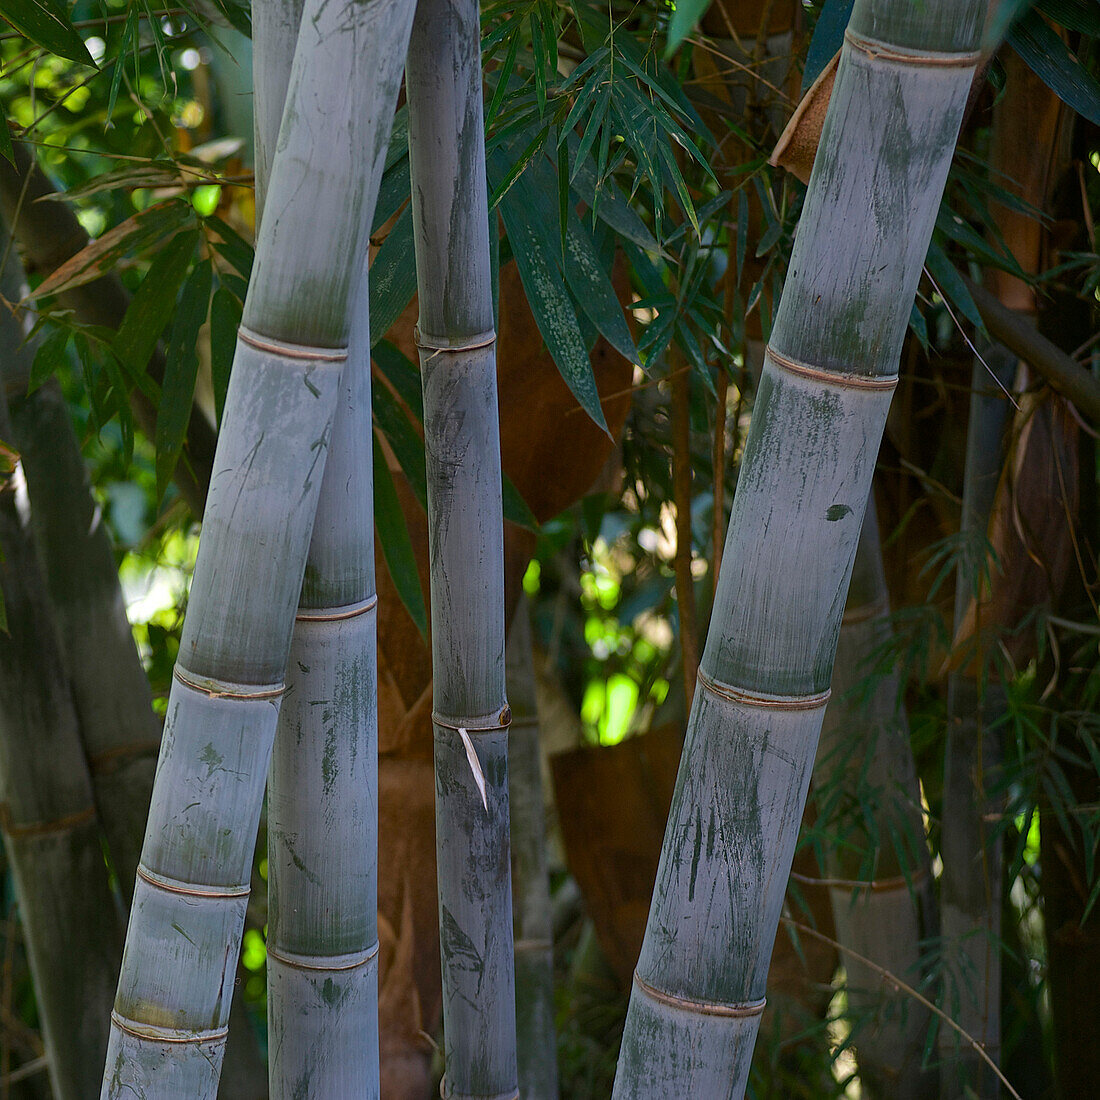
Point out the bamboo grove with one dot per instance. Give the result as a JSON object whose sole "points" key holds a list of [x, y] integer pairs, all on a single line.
{"points": [[605, 500]]}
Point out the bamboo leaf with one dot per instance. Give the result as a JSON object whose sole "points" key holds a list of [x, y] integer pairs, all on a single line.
{"points": [[6, 150], [685, 18], [742, 229], [1060, 70], [99, 256], [405, 441], [392, 277], [392, 194], [230, 244], [402, 374], [46, 22], [552, 307], [515, 507], [181, 365], [49, 358], [1074, 15], [397, 549], [951, 286], [828, 37], [151, 306], [225, 316]]}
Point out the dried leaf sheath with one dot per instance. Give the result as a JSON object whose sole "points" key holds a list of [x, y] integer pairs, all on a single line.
{"points": [[465, 532], [765, 672], [185, 925]]}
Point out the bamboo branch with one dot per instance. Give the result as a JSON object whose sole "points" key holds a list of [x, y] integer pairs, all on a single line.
{"points": [[1019, 334]]}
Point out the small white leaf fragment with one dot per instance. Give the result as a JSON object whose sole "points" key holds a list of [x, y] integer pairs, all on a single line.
{"points": [[475, 766]]}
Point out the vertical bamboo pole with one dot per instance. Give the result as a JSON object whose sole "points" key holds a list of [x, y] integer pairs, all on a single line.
{"points": [[971, 883], [169, 1023], [828, 376], [465, 531], [865, 748], [323, 787], [72, 925], [536, 1047]]}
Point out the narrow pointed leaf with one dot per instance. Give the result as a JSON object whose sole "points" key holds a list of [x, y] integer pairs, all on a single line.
{"points": [[828, 37], [1059, 69], [181, 364], [392, 277], [397, 549], [225, 316], [47, 23]]}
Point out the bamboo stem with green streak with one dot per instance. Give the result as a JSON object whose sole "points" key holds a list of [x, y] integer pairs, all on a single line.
{"points": [[971, 883], [764, 678], [322, 947], [169, 1023], [879, 865], [532, 924], [465, 538], [71, 922]]}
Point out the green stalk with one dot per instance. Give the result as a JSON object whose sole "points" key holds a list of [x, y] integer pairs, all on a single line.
{"points": [[323, 786], [465, 538], [971, 886], [171, 1011], [828, 377], [71, 923], [532, 924], [879, 867]]}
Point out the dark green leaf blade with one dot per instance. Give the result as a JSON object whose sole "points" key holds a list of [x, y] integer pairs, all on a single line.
{"points": [[1053, 63], [392, 278], [393, 536], [181, 365], [47, 23], [225, 316]]}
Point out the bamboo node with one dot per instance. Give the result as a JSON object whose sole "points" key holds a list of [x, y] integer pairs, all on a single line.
{"points": [[62, 824], [351, 961], [336, 614], [168, 1034], [758, 699], [224, 689], [291, 351], [108, 760], [872, 47], [830, 377], [174, 886], [525, 946], [705, 1008], [442, 343], [445, 1094], [479, 723]]}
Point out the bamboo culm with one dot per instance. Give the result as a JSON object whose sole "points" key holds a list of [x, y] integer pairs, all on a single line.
{"points": [[820, 409], [72, 925], [323, 787], [970, 886], [864, 756], [465, 537], [536, 1046], [169, 1024]]}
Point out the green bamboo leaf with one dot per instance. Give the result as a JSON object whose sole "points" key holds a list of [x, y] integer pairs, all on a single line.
{"points": [[401, 373], [393, 536], [230, 244], [49, 359], [685, 18], [6, 150], [550, 303], [151, 306], [828, 37], [515, 507], [392, 194], [943, 273], [1074, 15], [1059, 69], [225, 316], [742, 229], [181, 365], [503, 76], [404, 440], [47, 23], [919, 326], [392, 277]]}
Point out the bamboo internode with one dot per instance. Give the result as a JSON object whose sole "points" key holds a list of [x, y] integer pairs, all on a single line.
{"points": [[820, 410]]}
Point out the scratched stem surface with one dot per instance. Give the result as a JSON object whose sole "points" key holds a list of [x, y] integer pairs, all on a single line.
{"points": [[818, 418], [322, 945], [171, 1009], [465, 533]]}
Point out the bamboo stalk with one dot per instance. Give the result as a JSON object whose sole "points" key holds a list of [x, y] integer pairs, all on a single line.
{"points": [[71, 922], [971, 883], [465, 536], [323, 786], [828, 378], [865, 748], [169, 1022], [536, 1045]]}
